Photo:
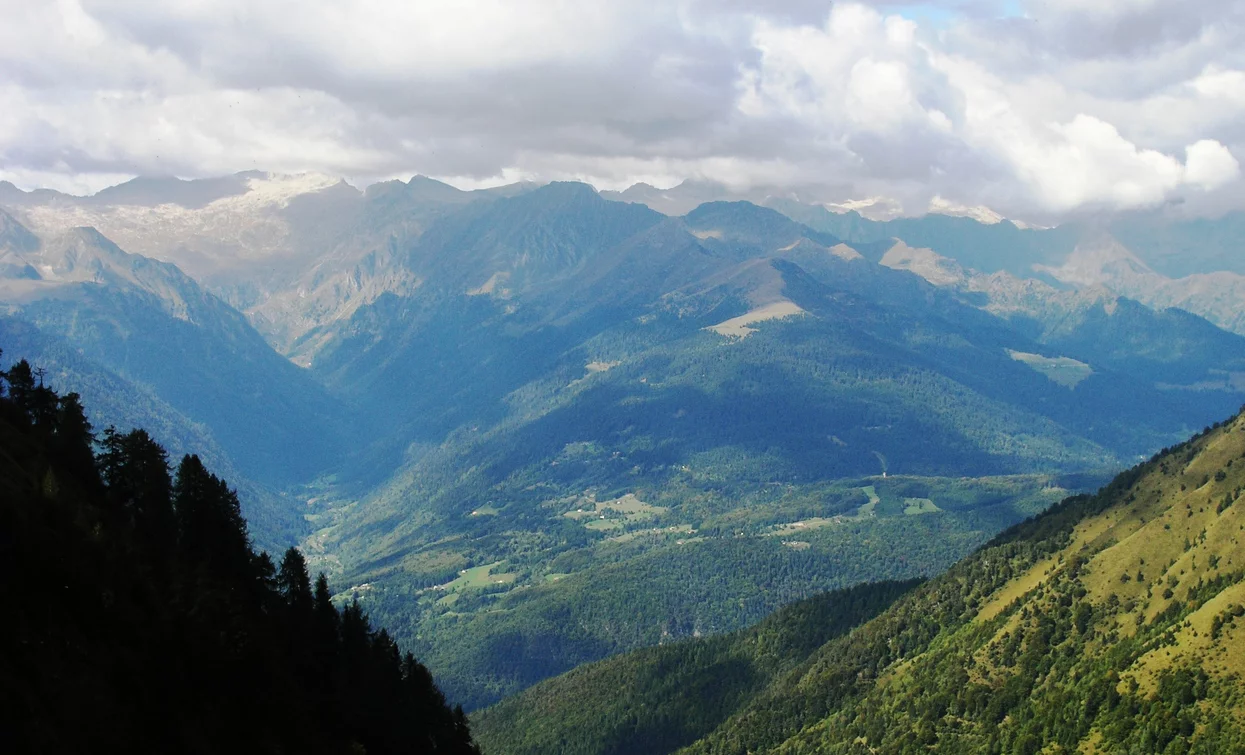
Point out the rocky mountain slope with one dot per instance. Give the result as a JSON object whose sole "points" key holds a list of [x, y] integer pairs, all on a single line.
{"points": [[292, 252], [1091, 322], [1104, 262], [155, 350]]}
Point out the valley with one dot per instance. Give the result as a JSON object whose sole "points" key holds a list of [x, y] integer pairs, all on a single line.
{"points": [[532, 427], [1110, 622], [640, 577]]}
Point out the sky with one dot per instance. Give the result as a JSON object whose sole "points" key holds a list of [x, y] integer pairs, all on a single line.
{"points": [[1039, 109]]}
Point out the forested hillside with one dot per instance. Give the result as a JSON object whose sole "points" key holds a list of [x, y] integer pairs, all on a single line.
{"points": [[1111, 623], [657, 699], [139, 619], [629, 577]]}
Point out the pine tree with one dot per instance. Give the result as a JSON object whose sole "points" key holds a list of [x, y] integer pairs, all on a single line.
{"points": [[295, 584], [325, 641], [21, 385], [135, 470], [75, 441], [325, 611], [43, 403], [210, 530]]}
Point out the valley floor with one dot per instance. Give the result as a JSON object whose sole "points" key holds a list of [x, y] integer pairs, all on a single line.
{"points": [[493, 609]]}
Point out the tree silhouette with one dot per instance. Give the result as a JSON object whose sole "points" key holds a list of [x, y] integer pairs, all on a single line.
{"points": [[143, 621]]}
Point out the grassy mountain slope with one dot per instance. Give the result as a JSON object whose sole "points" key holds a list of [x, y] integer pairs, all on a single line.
{"points": [[628, 330], [875, 370], [1108, 623]]}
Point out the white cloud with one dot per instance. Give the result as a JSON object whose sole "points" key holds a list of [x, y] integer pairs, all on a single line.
{"points": [[1091, 163], [1210, 165], [1031, 143], [1217, 83], [1065, 107]]}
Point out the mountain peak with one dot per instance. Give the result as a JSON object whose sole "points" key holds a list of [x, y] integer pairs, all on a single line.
{"points": [[156, 190], [558, 195], [1099, 260], [507, 191], [14, 236], [531, 237], [749, 227], [91, 235], [569, 189], [982, 214], [424, 186], [737, 208], [676, 200], [933, 267], [871, 208], [79, 249], [701, 185]]}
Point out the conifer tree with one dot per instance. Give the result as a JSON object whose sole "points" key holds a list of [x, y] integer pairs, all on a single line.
{"points": [[295, 585], [43, 403], [21, 385], [325, 611], [324, 649], [74, 440], [135, 470], [211, 531]]}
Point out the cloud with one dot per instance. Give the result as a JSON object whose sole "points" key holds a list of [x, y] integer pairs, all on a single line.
{"points": [[1038, 109], [955, 121], [1210, 165]]}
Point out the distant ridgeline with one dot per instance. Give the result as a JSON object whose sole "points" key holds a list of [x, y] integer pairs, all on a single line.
{"points": [[1110, 623], [137, 618]]}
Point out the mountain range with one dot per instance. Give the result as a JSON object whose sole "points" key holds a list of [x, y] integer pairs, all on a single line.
{"points": [[521, 424]]}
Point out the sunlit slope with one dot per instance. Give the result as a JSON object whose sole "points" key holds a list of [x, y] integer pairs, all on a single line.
{"points": [[1110, 624]]}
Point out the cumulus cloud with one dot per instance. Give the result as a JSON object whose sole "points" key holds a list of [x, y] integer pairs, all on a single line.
{"points": [[948, 121], [1210, 165], [1039, 109]]}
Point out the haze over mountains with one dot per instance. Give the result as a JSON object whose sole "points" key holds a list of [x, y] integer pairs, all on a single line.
{"points": [[478, 409]]}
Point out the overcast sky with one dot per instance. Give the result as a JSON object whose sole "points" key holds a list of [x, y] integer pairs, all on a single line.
{"points": [[1037, 108]]}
